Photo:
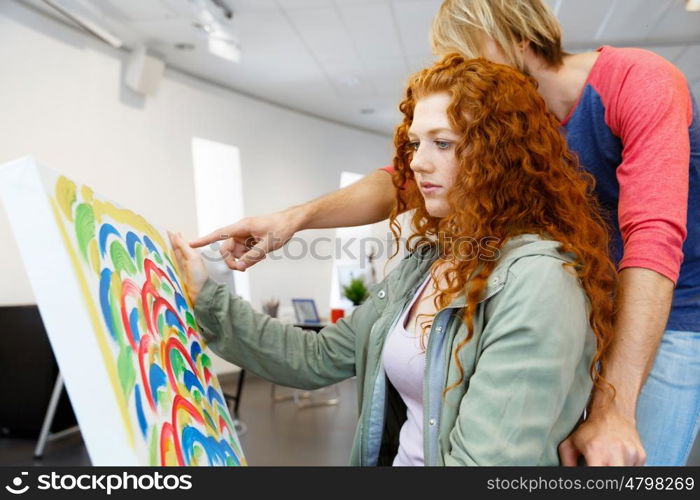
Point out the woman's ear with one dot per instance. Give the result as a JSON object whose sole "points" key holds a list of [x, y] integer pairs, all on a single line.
{"points": [[523, 45], [524, 48]]}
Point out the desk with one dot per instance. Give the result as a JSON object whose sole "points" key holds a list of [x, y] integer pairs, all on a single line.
{"points": [[317, 327]]}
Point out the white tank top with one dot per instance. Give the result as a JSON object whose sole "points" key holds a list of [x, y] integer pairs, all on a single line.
{"points": [[404, 364]]}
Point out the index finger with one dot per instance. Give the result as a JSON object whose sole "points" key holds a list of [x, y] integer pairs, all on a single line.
{"points": [[220, 234]]}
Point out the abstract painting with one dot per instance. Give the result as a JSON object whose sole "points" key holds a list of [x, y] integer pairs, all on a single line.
{"points": [[122, 327]]}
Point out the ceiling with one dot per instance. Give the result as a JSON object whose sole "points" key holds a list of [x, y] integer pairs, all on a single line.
{"points": [[347, 60]]}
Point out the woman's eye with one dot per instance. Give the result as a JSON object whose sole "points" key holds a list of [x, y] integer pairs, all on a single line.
{"points": [[413, 146], [443, 144]]}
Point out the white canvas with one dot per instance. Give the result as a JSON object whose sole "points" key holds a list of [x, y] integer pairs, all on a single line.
{"points": [[122, 329]]}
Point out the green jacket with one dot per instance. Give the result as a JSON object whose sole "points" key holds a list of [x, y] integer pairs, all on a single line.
{"points": [[527, 366]]}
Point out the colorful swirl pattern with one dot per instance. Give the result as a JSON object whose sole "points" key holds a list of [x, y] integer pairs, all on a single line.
{"points": [[175, 405]]}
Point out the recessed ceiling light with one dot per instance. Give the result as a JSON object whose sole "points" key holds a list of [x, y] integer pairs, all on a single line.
{"points": [[203, 27], [350, 81], [184, 46], [367, 111], [225, 47], [692, 5]]}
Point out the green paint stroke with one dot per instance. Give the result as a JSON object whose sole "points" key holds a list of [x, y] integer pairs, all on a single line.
{"points": [[208, 418], [139, 256], [121, 259], [153, 446], [115, 293], [224, 413], [181, 335], [206, 361], [84, 227], [189, 319], [161, 397], [178, 363], [197, 453], [125, 367]]}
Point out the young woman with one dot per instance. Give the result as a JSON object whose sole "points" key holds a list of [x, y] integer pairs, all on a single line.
{"points": [[631, 118], [463, 355]]}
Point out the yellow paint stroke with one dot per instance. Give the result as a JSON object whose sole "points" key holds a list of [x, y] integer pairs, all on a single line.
{"points": [[87, 193], [65, 195], [124, 216], [97, 326], [94, 256]]}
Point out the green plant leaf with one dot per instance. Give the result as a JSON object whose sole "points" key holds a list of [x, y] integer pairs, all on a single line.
{"points": [[356, 291]]}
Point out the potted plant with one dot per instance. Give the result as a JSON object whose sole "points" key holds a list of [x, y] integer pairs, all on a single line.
{"points": [[356, 291]]}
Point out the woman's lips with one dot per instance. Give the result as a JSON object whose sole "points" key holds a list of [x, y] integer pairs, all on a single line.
{"points": [[429, 188]]}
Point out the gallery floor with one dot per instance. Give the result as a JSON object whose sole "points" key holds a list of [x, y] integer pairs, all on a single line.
{"points": [[278, 433]]}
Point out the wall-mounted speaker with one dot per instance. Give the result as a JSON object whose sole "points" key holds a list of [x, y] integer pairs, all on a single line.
{"points": [[143, 71]]}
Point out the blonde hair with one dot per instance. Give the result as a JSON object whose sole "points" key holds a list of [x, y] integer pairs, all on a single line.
{"points": [[461, 25]]}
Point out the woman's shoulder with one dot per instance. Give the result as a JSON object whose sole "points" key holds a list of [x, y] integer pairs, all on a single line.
{"points": [[529, 263], [538, 289], [528, 251]]}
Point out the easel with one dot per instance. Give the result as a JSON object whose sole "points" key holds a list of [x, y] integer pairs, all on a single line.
{"points": [[234, 402], [46, 435]]}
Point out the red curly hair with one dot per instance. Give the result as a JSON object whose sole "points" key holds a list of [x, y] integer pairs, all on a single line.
{"points": [[515, 176]]}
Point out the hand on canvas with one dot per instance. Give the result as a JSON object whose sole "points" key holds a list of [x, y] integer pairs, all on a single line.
{"points": [[248, 241], [606, 438], [191, 264]]}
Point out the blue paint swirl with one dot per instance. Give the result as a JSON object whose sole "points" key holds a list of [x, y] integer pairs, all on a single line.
{"points": [[105, 231], [143, 425], [131, 241], [195, 350], [216, 451], [180, 302], [213, 395], [134, 324], [190, 380], [151, 247], [156, 378], [105, 281]]}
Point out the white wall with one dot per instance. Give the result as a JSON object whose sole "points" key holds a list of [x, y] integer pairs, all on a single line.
{"points": [[61, 101]]}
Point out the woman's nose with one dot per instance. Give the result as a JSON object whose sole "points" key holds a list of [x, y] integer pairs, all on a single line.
{"points": [[419, 161]]}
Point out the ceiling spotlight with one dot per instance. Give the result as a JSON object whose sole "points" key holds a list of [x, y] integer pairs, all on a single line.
{"points": [[217, 31], [206, 28], [225, 48], [185, 46], [225, 9], [692, 5]]}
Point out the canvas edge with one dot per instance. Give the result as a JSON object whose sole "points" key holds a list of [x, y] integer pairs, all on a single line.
{"points": [[33, 224]]}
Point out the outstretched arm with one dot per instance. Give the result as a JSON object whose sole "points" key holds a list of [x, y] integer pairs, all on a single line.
{"points": [[249, 240], [267, 347]]}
